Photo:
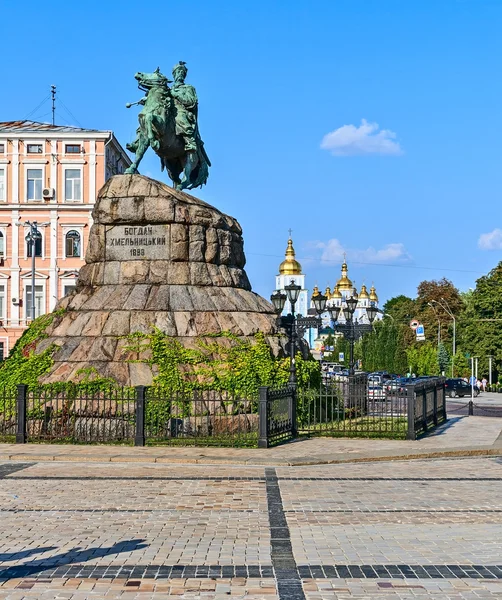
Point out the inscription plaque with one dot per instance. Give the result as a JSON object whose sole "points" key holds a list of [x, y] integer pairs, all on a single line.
{"points": [[137, 242]]}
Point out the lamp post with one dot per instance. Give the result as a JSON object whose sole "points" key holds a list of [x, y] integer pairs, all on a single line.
{"points": [[32, 237], [352, 330], [278, 299], [447, 308], [437, 317]]}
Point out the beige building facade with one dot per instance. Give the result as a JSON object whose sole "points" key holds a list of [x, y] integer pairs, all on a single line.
{"points": [[50, 174]]}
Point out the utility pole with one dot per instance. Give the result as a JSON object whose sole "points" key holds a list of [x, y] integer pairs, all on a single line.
{"points": [[53, 94], [490, 356]]}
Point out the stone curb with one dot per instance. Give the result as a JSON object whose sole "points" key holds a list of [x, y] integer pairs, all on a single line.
{"points": [[291, 462]]}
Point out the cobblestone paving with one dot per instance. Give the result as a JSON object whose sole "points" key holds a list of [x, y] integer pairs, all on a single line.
{"points": [[418, 529]]}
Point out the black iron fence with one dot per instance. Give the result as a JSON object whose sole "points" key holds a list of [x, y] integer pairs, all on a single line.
{"points": [[8, 415], [346, 407], [140, 415]]}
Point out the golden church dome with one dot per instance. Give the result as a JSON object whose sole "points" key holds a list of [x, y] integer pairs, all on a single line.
{"points": [[290, 266], [363, 294], [344, 283], [315, 291], [336, 294], [373, 294], [327, 293]]}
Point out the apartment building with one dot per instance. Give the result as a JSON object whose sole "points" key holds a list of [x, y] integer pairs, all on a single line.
{"points": [[50, 174]]}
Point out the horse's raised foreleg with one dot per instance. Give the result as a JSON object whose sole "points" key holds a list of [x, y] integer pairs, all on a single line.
{"points": [[141, 146]]}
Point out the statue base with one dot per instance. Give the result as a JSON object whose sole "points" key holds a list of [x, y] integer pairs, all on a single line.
{"points": [[156, 258]]}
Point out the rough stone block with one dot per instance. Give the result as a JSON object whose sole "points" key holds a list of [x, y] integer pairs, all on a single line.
{"points": [[98, 274], [237, 251], [199, 274], [159, 210], [179, 298], [142, 321], [140, 374], [158, 298], [215, 275], [159, 271], [134, 271], [227, 277], [205, 323], [201, 299], [138, 298], [85, 274], [179, 242], [95, 324], [165, 322], [74, 327], [111, 272], [81, 352], [117, 323], [103, 349], [179, 273], [98, 301], [185, 323], [96, 246], [118, 298], [65, 351]]}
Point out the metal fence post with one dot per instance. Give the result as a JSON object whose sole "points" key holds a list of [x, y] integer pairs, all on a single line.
{"points": [[139, 438], [424, 409], [435, 416], [22, 392], [293, 408], [411, 434], [263, 441]]}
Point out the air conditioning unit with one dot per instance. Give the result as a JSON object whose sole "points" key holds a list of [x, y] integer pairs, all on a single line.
{"points": [[48, 193]]}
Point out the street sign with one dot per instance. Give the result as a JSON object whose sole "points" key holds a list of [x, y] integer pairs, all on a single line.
{"points": [[414, 324], [420, 332], [341, 356]]}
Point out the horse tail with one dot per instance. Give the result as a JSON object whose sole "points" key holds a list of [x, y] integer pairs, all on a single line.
{"points": [[199, 175]]}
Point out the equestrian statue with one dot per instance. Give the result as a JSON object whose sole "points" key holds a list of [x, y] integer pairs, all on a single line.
{"points": [[168, 123]]}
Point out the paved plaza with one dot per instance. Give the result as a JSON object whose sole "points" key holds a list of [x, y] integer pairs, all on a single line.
{"points": [[388, 529]]}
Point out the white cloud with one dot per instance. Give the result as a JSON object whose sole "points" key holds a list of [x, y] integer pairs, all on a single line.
{"points": [[333, 251], [350, 140], [491, 241]]}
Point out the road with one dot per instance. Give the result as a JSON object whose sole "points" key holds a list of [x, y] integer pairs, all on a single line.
{"points": [[394, 529]]}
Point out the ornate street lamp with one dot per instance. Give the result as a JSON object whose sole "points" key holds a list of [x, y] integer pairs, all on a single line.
{"points": [[278, 300], [319, 301], [372, 312]]}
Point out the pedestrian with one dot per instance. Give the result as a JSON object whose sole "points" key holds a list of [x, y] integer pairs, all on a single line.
{"points": [[484, 382]]}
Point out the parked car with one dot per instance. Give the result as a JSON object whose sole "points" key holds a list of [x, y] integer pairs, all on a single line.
{"points": [[376, 392], [459, 387], [395, 386]]}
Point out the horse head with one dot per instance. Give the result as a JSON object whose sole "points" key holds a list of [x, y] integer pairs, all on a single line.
{"points": [[146, 81]]}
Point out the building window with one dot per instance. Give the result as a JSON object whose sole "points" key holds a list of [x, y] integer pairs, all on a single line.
{"points": [[2, 148], [39, 301], [34, 148], [72, 149], [2, 245], [72, 244], [68, 289], [34, 184], [73, 185], [2, 351], [3, 191], [2, 302], [38, 247]]}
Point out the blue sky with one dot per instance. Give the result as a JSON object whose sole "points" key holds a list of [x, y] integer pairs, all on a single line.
{"points": [[408, 200]]}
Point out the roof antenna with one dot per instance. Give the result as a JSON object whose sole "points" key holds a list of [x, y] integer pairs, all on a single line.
{"points": [[53, 94]]}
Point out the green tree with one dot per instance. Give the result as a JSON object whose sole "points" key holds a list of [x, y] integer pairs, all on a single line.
{"points": [[443, 359]]}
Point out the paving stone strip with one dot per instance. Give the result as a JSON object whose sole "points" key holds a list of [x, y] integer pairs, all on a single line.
{"points": [[289, 583], [7, 469]]}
